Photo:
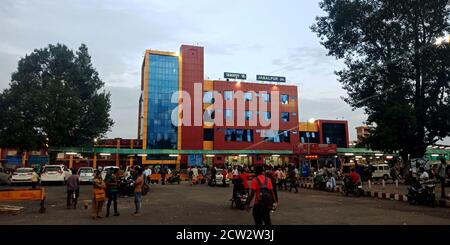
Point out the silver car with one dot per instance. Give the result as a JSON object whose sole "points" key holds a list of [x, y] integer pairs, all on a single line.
{"points": [[86, 174], [22, 175]]}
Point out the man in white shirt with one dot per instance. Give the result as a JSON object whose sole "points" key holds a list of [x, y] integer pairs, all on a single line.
{"points": [[424, 176], [146, 173], [195, 174]]}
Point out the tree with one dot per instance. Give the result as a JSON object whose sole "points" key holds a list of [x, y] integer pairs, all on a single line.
{"points": [[54, 98], [394, 70]]}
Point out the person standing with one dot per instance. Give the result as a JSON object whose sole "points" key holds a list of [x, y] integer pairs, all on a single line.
{"points": [[112, 184], [99, 195], [138, 192], [224, 176], [262, 192], [213, 175], [194, 175], [73, 189], [34, 178], [442, 172], [146, 174]]}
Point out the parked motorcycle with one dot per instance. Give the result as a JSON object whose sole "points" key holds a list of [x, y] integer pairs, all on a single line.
{"points": [[175, 178], [422, 193], [320, 182], [348, 187]]}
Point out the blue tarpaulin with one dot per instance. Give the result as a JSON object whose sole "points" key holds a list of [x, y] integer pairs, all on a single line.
{"points": [[195, 160]]}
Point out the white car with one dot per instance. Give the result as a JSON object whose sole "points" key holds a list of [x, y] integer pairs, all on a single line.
{"points": [[86, 174], [55, 173], [382, 171], [106, 169], [22, 175]]}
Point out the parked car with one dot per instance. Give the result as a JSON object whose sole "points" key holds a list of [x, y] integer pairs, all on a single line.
{"points": [[55, 173], [22, 175], [86, 174], [106, 169], [381, 171]]}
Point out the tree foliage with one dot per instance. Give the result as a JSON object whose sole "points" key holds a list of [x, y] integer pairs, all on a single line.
{"points": [[394, 69], [55, 97]]}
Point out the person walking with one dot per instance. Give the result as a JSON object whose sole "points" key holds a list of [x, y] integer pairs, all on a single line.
{"points": [[292, 179], [99, 195], [73, 189], [265, 201], [442, 172], [163, 175], [112, 184], [138, 192], [34, 179], [191, 175]]}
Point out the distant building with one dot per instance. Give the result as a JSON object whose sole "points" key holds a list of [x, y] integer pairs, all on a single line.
{"points": [[362, 132]]}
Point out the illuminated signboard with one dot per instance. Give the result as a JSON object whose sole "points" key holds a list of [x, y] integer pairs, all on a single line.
{"points": [[312, 157], [270, 78], [232, 75]]}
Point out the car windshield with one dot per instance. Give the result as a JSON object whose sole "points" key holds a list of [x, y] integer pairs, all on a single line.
{"points": [[52, 168], [86, 170], [24, 170]]}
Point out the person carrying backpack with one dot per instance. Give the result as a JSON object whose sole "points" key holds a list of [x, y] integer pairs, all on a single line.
{"points": [[265, 201]]}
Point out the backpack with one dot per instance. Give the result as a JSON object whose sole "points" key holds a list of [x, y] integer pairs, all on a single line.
{"points": [[265, 198]]}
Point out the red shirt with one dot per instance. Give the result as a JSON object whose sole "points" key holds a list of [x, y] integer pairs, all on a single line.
{"points": [[355, 177], [224, 173], [244, 177], [257, 188]]}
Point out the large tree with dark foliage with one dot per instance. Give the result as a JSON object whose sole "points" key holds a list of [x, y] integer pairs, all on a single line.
{"points": [[394, 70], [56, 98]]}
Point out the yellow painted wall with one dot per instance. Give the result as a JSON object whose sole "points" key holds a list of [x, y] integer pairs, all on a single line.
{"points": [[308, 127], [208, 145]]}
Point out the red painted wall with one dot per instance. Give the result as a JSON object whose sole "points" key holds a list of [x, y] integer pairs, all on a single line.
{"points": [[192, 72]]}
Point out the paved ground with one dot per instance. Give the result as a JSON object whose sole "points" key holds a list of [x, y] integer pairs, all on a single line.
{"points": [[183, 204]]}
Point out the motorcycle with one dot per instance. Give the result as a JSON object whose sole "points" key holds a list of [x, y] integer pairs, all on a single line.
{"points": [[175, 178], [320, 182], [348, 187], [422, 193], [239, 200], [126, 186]]}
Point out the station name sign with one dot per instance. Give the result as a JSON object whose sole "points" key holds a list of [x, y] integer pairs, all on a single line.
{"points": [[235, 75], [271, 78]]}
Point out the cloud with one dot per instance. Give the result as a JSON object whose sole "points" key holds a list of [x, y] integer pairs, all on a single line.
{"points": [[124, 111], [311, 58], [116, 32]]}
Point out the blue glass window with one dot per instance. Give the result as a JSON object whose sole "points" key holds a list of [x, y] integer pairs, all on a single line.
{"points": [[163, 82], [284, 98]]}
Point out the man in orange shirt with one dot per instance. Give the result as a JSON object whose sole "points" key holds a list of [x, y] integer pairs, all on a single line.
{"points": [[138, 191], [265, 201]]}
